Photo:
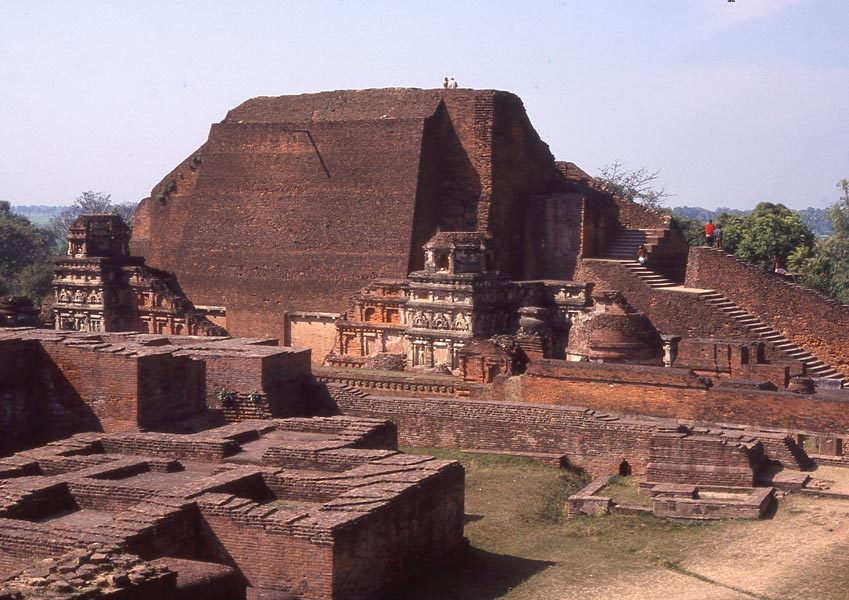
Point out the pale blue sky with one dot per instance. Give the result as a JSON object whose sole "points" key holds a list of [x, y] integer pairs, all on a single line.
{"points": [[736, 103]]}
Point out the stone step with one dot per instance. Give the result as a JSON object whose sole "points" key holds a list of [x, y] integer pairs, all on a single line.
{"points": [[729, 307]]}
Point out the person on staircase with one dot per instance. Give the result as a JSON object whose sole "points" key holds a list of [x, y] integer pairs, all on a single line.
{"points": [[642, 257], [709, 231], [779, 270]]}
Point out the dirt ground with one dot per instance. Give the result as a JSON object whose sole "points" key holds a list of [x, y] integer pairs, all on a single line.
{"points": [[521, 549]]}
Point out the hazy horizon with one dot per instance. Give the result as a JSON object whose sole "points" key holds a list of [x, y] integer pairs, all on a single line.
{"points": [[735, 103]]}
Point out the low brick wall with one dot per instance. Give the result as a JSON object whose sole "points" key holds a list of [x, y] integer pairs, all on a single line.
{"points": [[677, 394], [598, 442], [586, 503], [748, 507]]}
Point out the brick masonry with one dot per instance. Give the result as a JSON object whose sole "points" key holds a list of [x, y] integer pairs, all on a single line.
{"points": [[67, 382], [323, 508], [812, 320], [316, 172], [677, 394]]}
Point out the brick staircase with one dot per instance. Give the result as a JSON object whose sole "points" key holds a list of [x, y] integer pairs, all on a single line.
{"points": [[652, 278], [756, 328], [624, 250], [624, 247]]}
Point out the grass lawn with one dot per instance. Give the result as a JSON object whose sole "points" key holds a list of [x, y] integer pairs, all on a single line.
{"points": [[522, 548]]}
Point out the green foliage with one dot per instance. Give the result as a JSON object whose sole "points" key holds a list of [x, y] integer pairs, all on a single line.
{"points": [[637, 185], [226, 397], [827, 268], [25, 252], [817, 219], [772, 230], [693, 230], [34, 281]]}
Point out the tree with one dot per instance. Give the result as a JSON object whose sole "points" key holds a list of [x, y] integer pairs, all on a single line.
{"points": [[771, 231], [637, 185], [25, 252], [89, 203], [827, 268], [692, 229]]}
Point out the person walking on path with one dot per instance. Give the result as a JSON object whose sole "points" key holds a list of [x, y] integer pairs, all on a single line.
{"points": [[709, 230]]}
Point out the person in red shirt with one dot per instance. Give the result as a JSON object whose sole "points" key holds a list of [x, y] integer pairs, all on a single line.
{"points": [[709, 229]]}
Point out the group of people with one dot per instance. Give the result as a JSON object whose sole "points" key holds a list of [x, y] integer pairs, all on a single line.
{"points": [[449, 83], [713, 234]]}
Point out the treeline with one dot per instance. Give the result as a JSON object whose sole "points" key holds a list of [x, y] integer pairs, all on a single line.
{"points": [[817, 219], [773, 235], [38, 215], [27, 246]]}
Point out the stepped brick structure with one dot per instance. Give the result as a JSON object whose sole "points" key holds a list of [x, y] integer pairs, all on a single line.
{"points": [[325, 509], [98, 286], [159, 498], [294, 202], [66, 382]]}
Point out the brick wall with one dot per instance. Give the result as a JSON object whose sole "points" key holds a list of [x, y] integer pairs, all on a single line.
{"points": [[672, 312], [402, 536], [169, 388], [278, 375], [679, 394], [82, 389], [17, 386], [597, 443], [316, 173], [552, 235], [815, 322], [316, 331], [269, 558]]}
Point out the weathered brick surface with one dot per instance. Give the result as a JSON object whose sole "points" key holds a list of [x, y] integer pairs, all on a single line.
{"points": [[17, 400], [315, 173], [322, 508], [679, 394], [599, 442], [705, 459], [276, 373], [812, 320], [672, 312]]}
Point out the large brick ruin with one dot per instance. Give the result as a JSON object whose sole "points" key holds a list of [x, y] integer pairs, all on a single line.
{"points": [[295, 203], [436, 279], [147, 491], [321, 508]]}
